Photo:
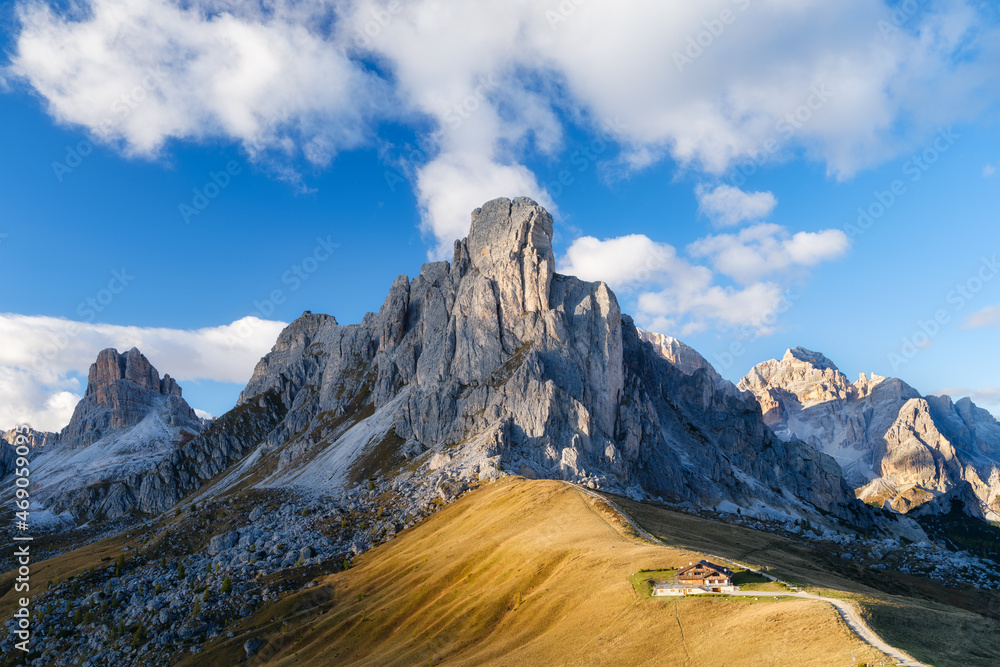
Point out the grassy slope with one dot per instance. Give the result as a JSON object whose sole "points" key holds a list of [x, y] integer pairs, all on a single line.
{"points": [[527, 573], [941, 626]]}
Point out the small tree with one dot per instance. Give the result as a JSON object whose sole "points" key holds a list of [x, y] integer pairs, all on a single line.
{"points": [[180, 570], [120, 563], [227, 585], [157, 589], [196, 609]]}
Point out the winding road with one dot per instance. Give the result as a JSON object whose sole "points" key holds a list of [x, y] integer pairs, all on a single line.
{"points": [[847, 611]]}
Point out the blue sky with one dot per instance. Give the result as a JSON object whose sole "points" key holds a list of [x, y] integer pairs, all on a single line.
{"points": [[381, 142]]}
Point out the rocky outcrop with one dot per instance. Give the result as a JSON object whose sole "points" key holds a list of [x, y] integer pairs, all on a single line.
{"points": [[489, 365], [898, 448], [121, 391], [37, 442], [129, 422], [494, 364]]}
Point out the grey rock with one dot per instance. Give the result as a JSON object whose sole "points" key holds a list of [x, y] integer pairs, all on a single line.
{"points": [[131, 420], [251, 646], [121, 391], [222, 542]]}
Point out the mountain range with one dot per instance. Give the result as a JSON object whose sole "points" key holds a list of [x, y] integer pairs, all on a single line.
{"points": [[899, 449], [489, 365], [493, 364], [486, 367]]}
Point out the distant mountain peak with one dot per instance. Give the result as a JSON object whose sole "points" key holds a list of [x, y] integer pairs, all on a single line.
{"points": [[122, 388], [132, 367], [894, 445], [814, 359]]}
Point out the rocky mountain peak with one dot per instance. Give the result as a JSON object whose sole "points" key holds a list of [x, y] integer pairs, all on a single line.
{"points": [[510, 242], [814, 359], [494, 364], [131, 366], [897, 447], [122, 388]]}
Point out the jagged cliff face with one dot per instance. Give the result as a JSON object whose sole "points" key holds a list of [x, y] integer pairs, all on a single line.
{"points": [[685, 358], [128, 422], [36, 441], [121, 391], [494, 364], [897, 447]]}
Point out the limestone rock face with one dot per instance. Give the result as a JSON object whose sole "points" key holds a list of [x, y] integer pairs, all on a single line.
{"points": [[494, 363], [129, 421], [491, 364], [897, 448], [121, 390]]}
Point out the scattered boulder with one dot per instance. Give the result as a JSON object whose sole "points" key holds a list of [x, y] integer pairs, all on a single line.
{"points": [[220, 543], [251, 646], [439, 460]]}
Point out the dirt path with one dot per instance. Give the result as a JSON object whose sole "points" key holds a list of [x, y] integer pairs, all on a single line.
{"points": [[847, 611]]}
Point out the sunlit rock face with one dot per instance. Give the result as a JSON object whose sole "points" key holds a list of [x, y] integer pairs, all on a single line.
{"points": [[495, 364], [898, 448]]}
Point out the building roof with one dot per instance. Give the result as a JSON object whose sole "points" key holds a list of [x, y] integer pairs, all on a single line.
{"points": [[703, 569]]}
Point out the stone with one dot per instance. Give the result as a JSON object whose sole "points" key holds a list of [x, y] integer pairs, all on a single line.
{"points": [[251, 646], [222, 542], [438, 460]]}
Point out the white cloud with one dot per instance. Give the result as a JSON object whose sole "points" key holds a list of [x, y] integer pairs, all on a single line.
{"points": [[984, 317], [688, 306], [501, 80], [671, 294], [618, 261], [989, 170], [765, 249], [42, 357], [204, 415], [452, 185], [141, 72], [726, 205]]}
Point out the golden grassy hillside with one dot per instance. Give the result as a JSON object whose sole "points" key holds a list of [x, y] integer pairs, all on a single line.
{"points": [[942, 626], [528, 573]]}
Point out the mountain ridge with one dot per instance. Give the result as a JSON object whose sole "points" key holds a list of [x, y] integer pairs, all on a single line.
{"points": [[899, 449]]}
